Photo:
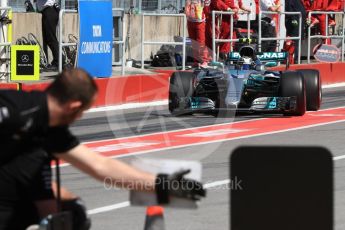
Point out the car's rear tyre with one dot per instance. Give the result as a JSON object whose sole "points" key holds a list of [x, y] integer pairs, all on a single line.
{"points": [[292, 84], [180, 86], [313, 88]]}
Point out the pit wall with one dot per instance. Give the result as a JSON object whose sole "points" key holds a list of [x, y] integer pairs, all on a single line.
{"points": [[331, 73], [154, 87]]}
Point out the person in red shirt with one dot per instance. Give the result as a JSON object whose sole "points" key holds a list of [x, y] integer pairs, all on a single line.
{"points": [[235, 5], [317, 19], [211, 5], [334, 5], [276, 17], [196, 24]]}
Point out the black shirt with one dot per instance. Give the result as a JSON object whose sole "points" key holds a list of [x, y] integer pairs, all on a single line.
{"points": [[24, 126], [27, 143]]}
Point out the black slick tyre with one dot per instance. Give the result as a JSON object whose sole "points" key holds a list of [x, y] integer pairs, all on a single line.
{"points": [[313, 88], [292, 85], [180, 86]]}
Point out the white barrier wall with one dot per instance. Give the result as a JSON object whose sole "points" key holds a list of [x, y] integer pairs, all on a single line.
{"points": [[25, 23], [156, 28]]}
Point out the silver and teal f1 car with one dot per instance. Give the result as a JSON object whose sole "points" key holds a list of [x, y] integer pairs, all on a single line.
{"points": [[244, 84]]}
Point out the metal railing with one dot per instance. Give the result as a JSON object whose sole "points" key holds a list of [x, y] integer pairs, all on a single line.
{"points": [[183, 43], [342, 36], [121, 43], [217, 40], [159, 5], [5, 52], [61, 43], [299, 37]]}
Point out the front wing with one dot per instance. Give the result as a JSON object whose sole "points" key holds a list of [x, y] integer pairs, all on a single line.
{"points": [[261, 104], [274, 104]]}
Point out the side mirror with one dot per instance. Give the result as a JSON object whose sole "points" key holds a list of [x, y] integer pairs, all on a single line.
{"points": [[271, 64]]}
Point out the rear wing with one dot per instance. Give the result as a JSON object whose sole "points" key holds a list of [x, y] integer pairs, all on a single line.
{"points": [[262, 56]]}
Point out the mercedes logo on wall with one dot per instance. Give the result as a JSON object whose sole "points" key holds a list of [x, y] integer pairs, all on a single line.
{"points": [[25, 58]]}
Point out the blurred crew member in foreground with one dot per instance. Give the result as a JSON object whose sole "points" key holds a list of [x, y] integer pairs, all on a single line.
{"points": [[34, 127]]}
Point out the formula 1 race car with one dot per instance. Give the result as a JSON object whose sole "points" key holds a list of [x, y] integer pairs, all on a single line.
{"points": [[244, 84]]}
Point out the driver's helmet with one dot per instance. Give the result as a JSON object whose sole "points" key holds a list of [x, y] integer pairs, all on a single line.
{"points": [[247, 54], [247, 51]]}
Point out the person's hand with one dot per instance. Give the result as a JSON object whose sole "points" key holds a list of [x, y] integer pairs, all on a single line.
{"points": [[177, 185], [244, 11]]}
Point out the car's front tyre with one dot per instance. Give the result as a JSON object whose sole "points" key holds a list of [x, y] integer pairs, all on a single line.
{"points": [[292, 85], [313, 88], [180, 87]]}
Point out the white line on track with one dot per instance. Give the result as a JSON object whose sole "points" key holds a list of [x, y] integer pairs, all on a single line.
{"points": [[230, 139], [164, 102], [108, 208], [197, 127], [210, 142], [212, 184], [179, 130], [127, 106], [207, 186], [127, 203], [335, 85]]}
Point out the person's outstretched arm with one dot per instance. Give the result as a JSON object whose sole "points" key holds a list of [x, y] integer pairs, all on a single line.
{"points": [[123, 175], [109, 170]]}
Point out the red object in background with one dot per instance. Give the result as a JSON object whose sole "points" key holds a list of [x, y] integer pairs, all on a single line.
{"points": [[257, 6], [218, 5], [225, 34], [226, 26], [15, 86], [196, 16], [196, 31], [276, 18], [335, 5], [341, 4], [317, 5], [289, 47], [155, 87]]}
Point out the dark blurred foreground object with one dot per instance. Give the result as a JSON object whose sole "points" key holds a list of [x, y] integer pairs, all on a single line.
{"points": [[186, 188], [281, 188]]}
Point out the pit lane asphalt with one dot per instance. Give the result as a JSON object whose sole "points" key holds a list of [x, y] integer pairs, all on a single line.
{"points": [[214, 211]]}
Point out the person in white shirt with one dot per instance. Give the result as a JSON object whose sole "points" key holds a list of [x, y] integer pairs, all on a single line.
{"points": [[268, 24], [269, 5]]}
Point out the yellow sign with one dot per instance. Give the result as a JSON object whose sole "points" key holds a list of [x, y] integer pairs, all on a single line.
{"points": [[25, 63]]}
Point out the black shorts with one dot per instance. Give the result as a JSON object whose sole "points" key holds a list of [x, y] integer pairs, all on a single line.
{"points": [[24, 180]]}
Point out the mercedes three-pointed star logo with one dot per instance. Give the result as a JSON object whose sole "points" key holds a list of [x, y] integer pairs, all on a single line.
{"points": [[25, 58]]}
